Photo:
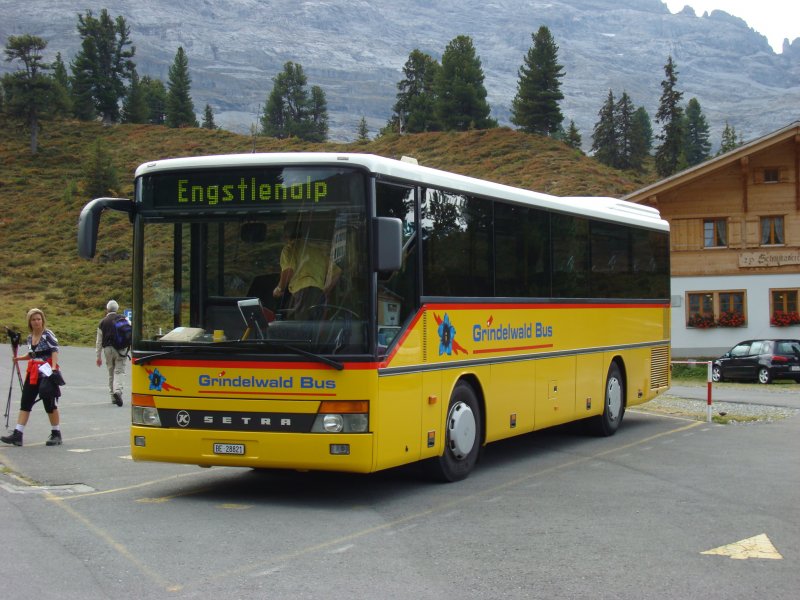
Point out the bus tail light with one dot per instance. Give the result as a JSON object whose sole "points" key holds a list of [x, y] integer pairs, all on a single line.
{"points": [[144, 411], [342, 417]]}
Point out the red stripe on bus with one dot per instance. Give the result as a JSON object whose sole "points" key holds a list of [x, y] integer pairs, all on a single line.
{"points": [[486, 350], [262, 393]]}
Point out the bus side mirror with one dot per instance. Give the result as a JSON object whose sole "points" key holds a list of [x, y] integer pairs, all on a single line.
{"points": [[387, 234], [89, 221]]}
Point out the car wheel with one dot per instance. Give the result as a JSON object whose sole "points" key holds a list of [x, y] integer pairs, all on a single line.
{"points": [[462, 436], [716, 374], [764, 376]]}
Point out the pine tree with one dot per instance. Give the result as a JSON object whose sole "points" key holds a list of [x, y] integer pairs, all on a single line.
{"points": [[641, 138], [100, 175], [317, 116], [414, 110], [155, 95], [134, 107], [285, 110], [180, 108], [102, 66], [670, 117], [460, 95], [535, 107], [362, 134], [573, 136], [290, 112], [729, 140], [63, 85], [208, 118], [30, 94], [623, 128], [697, 145], [604, 137]]}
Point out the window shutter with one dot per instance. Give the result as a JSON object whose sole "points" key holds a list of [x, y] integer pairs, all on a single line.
{"points": [[752, 232], [735, 227]]}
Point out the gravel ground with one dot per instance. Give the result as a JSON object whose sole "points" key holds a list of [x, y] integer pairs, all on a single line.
{"points": [[722, 412]]}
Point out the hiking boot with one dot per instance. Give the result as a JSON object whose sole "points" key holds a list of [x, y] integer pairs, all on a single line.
{"points": [[117, 399], [15, 438], [54, 439]]}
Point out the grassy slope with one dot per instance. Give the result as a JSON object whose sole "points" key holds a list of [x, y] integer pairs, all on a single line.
{"points": [[39, 208]]}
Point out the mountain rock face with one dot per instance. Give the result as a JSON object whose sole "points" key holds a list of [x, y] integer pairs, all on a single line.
{"points": [[355, 50]]}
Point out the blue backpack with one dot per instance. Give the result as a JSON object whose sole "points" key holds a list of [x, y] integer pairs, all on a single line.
{"points": [[122, 334]]}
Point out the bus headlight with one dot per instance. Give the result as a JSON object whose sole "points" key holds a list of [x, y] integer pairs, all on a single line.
{"points": [[332, 423], [145, 415], [342, 417]]}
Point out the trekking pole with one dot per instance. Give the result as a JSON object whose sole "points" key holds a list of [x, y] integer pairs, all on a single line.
{"points": [[14, 336]]}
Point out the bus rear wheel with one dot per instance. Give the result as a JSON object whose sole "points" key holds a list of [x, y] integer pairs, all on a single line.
{"points": [[462, 436], [607, 423]]}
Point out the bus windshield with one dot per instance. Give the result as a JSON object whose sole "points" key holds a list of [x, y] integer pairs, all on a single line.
{"points": [[256, 259]]}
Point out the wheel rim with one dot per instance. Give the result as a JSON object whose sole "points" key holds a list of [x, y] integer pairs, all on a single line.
{"points": [[461, 430], [715, 374], [763, 376], [614, 398]]}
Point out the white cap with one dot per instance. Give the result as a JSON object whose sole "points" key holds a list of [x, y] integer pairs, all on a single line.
{"points": [[112, 306]]}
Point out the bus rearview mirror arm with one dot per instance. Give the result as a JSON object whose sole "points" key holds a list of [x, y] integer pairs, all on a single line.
{"points": [[89, 222]]}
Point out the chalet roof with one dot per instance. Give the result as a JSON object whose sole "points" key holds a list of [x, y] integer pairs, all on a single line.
{"points": [[734, 156]]}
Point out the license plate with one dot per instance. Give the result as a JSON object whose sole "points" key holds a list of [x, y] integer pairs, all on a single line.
{"points": [[228, 448], [795, 368]]}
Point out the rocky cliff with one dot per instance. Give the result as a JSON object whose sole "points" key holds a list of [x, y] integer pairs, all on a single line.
{"points": [[355, 50]]}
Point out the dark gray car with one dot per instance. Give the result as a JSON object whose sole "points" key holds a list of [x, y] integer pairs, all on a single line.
{"points": [[759, 360]]}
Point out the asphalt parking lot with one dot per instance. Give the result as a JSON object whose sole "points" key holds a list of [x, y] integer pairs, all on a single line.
{"points": [[670, 507]]}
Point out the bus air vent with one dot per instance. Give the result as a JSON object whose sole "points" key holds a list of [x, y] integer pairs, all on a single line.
{"points": [[659, 367]]}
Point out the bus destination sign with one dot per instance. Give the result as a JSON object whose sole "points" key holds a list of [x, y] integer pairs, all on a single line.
{"points": [[235, 189]]}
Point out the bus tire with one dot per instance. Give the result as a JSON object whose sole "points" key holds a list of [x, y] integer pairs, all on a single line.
{"points": [[607, 423], [462, 441]]}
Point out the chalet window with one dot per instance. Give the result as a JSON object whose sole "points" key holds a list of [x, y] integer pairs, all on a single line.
{"points": [[772, 175], [715, 309], [715, 233], [783, 307], [771, 231]]}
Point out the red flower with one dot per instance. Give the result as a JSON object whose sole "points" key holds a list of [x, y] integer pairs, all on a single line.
{"points": [[784, 319]]}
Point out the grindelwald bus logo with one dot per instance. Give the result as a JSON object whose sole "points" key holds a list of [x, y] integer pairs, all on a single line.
{"points": [[183, 418]]}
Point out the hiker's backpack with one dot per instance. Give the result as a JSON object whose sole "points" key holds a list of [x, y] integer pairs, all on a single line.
{"points": [[122, 334]]}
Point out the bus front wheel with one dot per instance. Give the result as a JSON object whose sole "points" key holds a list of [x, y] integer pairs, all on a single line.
{"points": [[613, 403], [462, 436]]}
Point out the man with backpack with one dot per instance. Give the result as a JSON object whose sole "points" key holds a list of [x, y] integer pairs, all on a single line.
{"points": [[114, 342]]}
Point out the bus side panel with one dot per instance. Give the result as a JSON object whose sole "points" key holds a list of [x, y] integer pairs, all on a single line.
{"points": [[434, 405], [399, 420], [510, 399], [555, 391], [636, 372], [590, 379]]}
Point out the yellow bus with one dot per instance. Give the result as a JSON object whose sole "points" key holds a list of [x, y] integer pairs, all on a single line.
{"points": [[348, 312]]}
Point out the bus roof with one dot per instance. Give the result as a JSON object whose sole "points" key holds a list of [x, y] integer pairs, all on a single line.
{"points": [[610, 209]]}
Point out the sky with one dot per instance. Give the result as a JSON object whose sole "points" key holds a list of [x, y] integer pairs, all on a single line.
{"points": [[775, 19]]}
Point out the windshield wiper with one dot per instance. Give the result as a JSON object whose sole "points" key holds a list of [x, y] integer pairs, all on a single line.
{"points": [[229, 345], [291, 348]]}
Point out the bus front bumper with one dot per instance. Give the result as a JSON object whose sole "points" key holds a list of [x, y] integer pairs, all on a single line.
{"points": [[307, 451]]}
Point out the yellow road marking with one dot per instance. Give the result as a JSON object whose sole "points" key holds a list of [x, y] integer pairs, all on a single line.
{"points": [[755, 547], [117, 546]]}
